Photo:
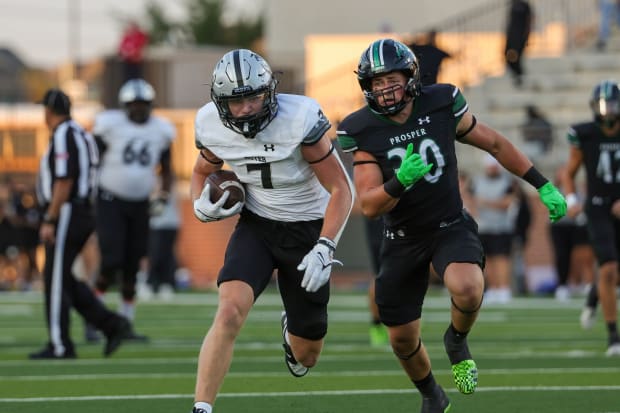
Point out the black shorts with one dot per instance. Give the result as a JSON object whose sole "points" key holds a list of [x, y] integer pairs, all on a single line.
{"points": [[122, 230], [374, 238], [496, 244], [260, 246], [604, 232], [405, 261]]}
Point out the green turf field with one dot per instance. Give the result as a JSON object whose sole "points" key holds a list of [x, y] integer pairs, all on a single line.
{"points": [[532, 357]]}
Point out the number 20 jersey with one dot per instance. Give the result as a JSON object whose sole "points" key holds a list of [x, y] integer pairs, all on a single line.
{"points": [[435, 199], [133, 151]]}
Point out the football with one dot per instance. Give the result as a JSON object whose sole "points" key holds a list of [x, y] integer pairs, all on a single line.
{"points": [[225, 180]]}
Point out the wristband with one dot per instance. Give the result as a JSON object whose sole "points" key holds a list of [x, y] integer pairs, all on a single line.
{"points": [[534, 178], [48, 219], [393, 187], [571, 200], [328, 242]]}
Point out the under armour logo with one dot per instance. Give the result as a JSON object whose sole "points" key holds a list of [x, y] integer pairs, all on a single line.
{"points": [[422, 121], [270, 147]]}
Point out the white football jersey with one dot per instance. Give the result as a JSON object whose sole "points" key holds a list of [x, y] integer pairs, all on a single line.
{"points": [[128, 166], [280, 184]]}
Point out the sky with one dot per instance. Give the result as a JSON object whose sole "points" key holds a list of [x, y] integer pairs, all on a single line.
{"points": [[46, 33]]}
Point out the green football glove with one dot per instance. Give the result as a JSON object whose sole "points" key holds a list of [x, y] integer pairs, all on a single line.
{"points": [[412, 168], [553, 200]]}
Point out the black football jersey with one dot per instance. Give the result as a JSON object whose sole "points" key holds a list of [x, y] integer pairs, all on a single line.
{"points": [[601, 159], [434, 200]]}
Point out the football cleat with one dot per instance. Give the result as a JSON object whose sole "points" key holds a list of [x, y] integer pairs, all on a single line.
{"points": [[47, 353], [439, 403], [296, 369], [464, 368], [378, 336], [587, 317], [613, 350], [465, 376], [115, 337]]}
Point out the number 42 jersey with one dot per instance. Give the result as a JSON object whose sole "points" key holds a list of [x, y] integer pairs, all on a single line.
{"points": [[133, 151]]}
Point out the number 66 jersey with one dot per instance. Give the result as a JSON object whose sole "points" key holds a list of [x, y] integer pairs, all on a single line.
{"points": [[132, 153]]}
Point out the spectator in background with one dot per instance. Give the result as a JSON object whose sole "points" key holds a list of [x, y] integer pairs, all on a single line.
{"points": [[26, 220], [518, 27], [8, 250], [609, 12], [537, 133], [429, 58], [495, 198], [131, 49]]}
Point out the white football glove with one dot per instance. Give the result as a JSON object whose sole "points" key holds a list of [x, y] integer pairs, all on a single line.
{"points": [[318, 265], [207, 211]]}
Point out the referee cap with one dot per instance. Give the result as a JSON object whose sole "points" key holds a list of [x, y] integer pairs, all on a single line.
{"points": [[57, 101]]}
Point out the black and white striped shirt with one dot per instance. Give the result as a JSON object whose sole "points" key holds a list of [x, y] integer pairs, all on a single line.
{"points": [[72, 153]]}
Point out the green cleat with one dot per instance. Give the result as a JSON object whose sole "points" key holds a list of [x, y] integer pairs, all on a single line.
{"points": [[465, 376], [378, 335]]}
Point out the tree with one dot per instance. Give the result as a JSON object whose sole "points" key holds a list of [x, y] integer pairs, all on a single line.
{"points": [[204, 25]]}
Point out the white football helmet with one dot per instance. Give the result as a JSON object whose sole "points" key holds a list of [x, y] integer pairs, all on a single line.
{"points": [[136, 97], [242, 73]]}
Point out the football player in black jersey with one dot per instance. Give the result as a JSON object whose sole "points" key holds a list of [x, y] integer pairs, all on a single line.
{"points": [[405, 169], [596, 145]]}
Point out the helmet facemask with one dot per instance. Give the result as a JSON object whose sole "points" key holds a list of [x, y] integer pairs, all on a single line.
{"points": [[383, 57], [242, 74]]}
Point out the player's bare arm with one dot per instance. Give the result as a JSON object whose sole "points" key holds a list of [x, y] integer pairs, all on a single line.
{"points": [[331, 173], [206, 164], [369, 183]]}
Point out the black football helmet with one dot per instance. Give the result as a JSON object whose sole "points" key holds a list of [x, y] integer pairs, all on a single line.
{"points": [[242, 73], [381, 57], [136, 97], [605, 103]]}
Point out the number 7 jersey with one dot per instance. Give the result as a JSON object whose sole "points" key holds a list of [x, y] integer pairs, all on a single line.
{"points": [[280, 184], [133, 151]]}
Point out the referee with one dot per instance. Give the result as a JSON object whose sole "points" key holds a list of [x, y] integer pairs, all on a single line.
{"points": [[65, 183]]}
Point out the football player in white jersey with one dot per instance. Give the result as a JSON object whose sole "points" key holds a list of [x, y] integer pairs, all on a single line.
{"points": [[298, 200], [133, 144]]}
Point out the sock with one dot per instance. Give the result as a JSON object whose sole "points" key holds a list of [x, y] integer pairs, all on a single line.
{"points": [[457, 333], [427, 385], [455, 343], [612, 330], [204, 406], [128, 309]]}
